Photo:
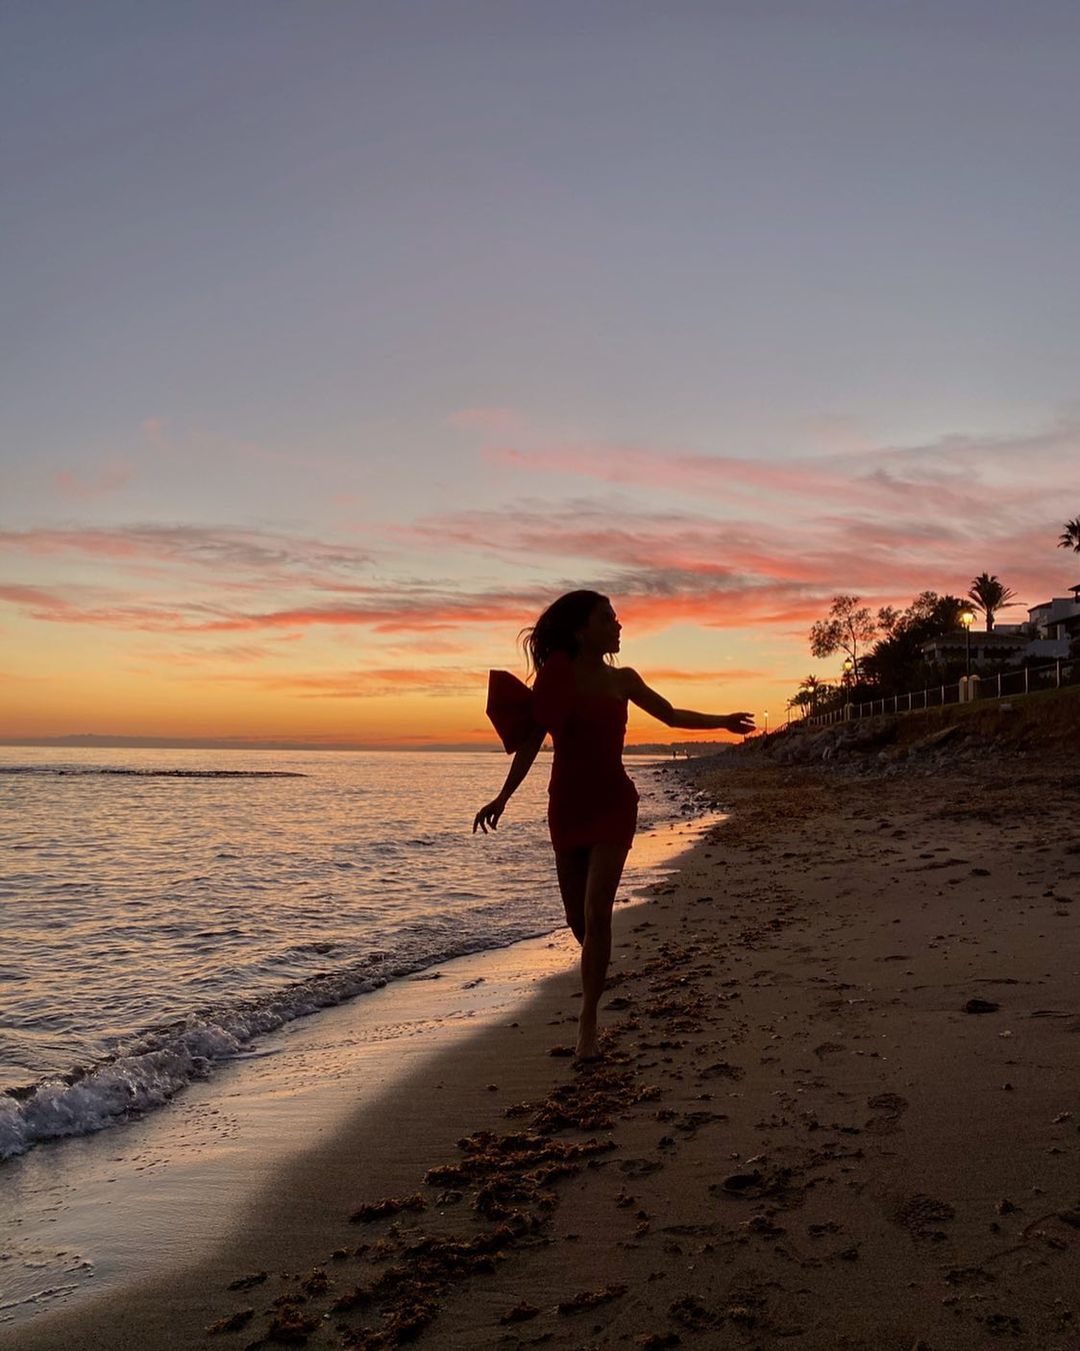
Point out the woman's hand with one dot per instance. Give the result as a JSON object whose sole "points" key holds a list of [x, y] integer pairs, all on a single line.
{"points": [[741, 723], [489, 815]]}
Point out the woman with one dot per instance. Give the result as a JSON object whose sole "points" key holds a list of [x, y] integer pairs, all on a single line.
{"points": [[592, 805]]}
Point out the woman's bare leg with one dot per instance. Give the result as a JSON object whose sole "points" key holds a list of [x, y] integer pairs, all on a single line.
{"points": [[605, 871], [572, 867]]}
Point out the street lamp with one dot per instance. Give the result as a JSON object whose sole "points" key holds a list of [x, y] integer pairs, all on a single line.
{"points": [[967, 618], [849, 667]]}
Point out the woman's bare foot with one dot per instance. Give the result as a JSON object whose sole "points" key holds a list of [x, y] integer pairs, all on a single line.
{"points": [[588, 1046]]}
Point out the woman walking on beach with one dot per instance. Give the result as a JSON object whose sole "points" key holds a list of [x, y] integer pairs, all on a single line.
{"points": [[592, 804]]}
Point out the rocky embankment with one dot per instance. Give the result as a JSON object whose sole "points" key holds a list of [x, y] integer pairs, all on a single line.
{"points": [[875, 745], [1038, 729]]}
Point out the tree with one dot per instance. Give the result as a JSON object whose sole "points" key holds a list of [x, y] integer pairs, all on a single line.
{"points": [[896, 662], [930, 615], [810, 694], [888, 617], [847, 626], [989, 596], [1070, 535], [811, 689]]}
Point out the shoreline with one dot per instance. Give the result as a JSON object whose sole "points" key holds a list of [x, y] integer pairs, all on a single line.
{"points": [[81, 1069], [837, 1111], [78, 1213]]}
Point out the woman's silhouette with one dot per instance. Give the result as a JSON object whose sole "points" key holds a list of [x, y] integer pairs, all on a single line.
{"points": [[592, 805]]}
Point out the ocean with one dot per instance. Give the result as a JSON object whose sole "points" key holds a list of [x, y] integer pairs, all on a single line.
{"points": [[161, 911]]}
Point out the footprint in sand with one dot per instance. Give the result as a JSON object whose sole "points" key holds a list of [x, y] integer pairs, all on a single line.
{"points": [[920, 1214], [888, 1109], [639, 1167], [721, 1069]]}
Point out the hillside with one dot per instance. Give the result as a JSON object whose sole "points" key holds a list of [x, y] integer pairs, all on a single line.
{"points": [[1044, 725]]}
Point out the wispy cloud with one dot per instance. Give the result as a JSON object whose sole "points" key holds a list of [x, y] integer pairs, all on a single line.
{"points": [[677, 675], [660, 568], [86, 486], [888, 521], [213, 656], [373, 683], [882, 523], [958, 473], [47, 605], [222, 550], [666, 550], [492, 422], [651, 600]]}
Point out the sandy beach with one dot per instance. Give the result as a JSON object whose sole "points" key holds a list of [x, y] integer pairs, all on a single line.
{"points": [[839, 1107]]}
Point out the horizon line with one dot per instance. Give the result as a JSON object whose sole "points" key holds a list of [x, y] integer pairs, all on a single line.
{"points": [[106, 741]]}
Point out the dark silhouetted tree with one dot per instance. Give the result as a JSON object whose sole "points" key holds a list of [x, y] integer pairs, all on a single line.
{"points": [[848, 625], [888, 617], [811, 689], [989, 595], [896, 663], [1070, 535]]}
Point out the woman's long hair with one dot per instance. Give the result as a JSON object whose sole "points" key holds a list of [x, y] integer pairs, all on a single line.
{"points": [[556, 629]]}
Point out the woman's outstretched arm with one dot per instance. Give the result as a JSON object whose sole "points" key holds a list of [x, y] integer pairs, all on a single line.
{"points": [[519, 767], [660, 708]]}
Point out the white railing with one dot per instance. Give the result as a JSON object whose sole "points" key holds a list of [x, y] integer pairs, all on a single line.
{"points": [[1025, 680]]}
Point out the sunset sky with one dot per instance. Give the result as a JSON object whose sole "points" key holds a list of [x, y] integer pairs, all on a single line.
{"points": [[340, 338]]}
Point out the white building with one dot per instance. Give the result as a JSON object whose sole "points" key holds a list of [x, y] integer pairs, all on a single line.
{"points": [[1054, 623], [1047, 634]]}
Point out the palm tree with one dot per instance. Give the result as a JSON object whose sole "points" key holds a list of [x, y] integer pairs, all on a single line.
{"points": [[1070, 535], [812, 685], [811, 689], [989, 595]]}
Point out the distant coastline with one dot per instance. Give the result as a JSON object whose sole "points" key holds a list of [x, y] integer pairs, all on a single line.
{"points": [[94, 741]]}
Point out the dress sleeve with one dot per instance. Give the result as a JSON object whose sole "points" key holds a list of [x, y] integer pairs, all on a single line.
{"points": [[553, 691], [510, 709]]}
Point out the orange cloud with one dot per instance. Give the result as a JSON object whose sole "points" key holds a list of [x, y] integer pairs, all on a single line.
{"points": [[37, 603], [377, 682], [679, 675], [651, 600], [882, 523]]}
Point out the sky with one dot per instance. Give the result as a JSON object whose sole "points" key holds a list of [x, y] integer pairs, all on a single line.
{"points": [[338, 339]]}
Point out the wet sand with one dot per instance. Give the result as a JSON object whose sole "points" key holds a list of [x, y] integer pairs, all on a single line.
{"points": [[839, 1109]]}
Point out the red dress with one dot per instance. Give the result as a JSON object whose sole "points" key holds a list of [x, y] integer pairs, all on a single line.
{"points": [[591, 799]]}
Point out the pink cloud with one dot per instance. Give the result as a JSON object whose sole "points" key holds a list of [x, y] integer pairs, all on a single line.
{"points": [[37, 603], [86, 487], [887, 557], [153, 429], [884, 524], [648, 599], [713, 474], [962, 474], [489, 421], [660, 570], [416, 614]]}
